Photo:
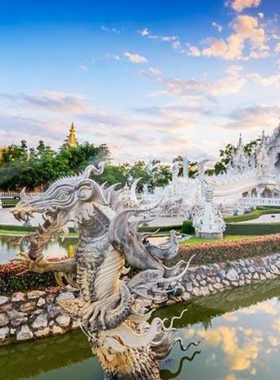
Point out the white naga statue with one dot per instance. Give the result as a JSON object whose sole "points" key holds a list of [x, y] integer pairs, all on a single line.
{"points": [[208, 222]]}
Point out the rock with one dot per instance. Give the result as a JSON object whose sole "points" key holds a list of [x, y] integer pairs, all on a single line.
{"points": [[248, 276], [222, 274], [35, 294], [196, 292], [186, 297], [57, 330], [40, 322], [53, 311], [51, 323], [41, 302], [3, 300], [18, 297], [210, 287], [269, 275], [42, 333], [226, 283], [274, 269], [235, 283], [256, 276], [262, 277], [63, 320], [203, 283], [4, 332], [17, 318], [218, 286], [13, 331], [188, 286], [28, 306], [65, 296], [218, 279], [24, 333], [241, 282], [205, 291], [4, 320], [278, 264], [6, 307], [232, 275], [251, 269], [76, 324]]}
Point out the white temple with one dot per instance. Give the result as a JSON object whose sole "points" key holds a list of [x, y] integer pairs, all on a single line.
{"points": [[251, 180]]}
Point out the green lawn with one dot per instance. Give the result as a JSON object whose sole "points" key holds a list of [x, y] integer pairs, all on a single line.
{"points": [[196, 241]]}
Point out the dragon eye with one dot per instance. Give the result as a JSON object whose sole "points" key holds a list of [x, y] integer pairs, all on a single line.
{"points": [[63, 195]]}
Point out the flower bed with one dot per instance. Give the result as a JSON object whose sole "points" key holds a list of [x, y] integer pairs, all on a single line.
{"points": [[11, 281], [224, 251]]}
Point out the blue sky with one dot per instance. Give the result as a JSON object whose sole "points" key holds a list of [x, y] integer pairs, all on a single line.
{"points": [[152, 79]]}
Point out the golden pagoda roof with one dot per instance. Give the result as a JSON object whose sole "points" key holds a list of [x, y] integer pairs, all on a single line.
{"points": [[71, 138]]}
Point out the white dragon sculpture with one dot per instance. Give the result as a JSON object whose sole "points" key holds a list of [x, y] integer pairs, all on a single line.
{"points": [[126, 344]]}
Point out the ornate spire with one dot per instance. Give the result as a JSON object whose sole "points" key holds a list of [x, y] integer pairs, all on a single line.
{"points": [[71, 138]]}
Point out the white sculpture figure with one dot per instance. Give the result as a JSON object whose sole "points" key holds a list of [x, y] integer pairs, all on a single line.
{"points": [[208, 222], [186, 167], [240, 160], [175, 171], [262, 157]]}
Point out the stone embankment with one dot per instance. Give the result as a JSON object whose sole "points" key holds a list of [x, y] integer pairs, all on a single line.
{"points": [[213, 278], [38, 314]]}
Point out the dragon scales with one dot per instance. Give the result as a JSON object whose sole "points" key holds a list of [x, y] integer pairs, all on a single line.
{"points": [[109, 304]]}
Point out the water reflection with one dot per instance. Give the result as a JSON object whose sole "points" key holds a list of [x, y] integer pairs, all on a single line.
{"points": [[56, 248], [239, 332]]}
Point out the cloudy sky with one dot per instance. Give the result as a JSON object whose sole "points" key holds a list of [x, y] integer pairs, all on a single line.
{"points": [[152, 79]]}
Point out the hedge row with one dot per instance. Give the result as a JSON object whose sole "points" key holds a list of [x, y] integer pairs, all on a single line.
{"points": [[9, 202], [252, 215], [11, 281], [240, 229], [224, 251], [252, 229]]}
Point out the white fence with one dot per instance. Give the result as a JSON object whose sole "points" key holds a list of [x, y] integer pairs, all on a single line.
{"points": [[260, 201], [13, 194]]}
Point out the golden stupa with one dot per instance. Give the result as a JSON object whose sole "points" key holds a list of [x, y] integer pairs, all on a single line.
{"points": [[71, 138]]}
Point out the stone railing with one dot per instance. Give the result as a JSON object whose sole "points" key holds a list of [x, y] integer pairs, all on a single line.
{"points": [[259, 201]]}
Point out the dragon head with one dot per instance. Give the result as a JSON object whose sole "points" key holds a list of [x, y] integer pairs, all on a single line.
{"points": [[63, 195]]}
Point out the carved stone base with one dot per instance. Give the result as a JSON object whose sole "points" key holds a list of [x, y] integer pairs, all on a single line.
{"points": [[210, 235]]}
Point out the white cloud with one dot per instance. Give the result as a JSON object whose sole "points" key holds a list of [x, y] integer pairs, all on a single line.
{"points": [[272, 80], [144, 32], [247, 32], [253, 117], [217, 26], [230, 84], [53, 101], [135, 58], [173, 40], [112, 30], [239, 5], [277, 48], [83, 68]]}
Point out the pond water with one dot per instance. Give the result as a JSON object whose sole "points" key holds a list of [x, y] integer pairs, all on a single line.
{"points": [[239, 332], [56, 248]]}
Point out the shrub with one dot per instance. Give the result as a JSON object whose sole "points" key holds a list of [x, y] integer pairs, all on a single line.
{"points": [[224, 251], [11, 281], [187, 227], [264, 210], [252, 229]]}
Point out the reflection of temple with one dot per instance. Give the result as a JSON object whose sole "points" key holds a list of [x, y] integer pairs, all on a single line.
{"points": [[71, 139]]}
